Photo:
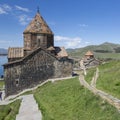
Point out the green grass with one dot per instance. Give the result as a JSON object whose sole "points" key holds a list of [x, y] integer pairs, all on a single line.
{"points": [[1, 84], [115, 56], [68, 100], [90, 74], [9, 112], [109, 78]]}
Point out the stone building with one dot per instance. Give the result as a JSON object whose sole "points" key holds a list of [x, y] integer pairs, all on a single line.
{"points": [[88, 60], [37, 61], [89, 54]]}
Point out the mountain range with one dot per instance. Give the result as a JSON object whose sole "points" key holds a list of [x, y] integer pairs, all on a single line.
{"points": [[3, 51], [105, 50]]}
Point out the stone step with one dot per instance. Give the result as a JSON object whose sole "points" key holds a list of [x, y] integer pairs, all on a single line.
{"points": [[33, 116], [29, 109]]}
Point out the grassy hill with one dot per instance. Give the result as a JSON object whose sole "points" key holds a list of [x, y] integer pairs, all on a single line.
{"points": [[103, 51], [68, 100], [109, 78]]}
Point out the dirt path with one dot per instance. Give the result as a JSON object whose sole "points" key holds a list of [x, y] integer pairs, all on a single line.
{"points": [[95, 77], [105, 96]]}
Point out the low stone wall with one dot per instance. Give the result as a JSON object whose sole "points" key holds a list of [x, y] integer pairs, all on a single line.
{"points": [[12, 98]]}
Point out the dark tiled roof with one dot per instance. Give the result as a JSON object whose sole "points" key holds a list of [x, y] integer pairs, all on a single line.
{"points": [[38, 25], [61, 52], [58, 51]]}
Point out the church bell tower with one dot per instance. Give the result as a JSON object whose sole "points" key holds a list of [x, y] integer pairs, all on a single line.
{"points": [[37, 34]]}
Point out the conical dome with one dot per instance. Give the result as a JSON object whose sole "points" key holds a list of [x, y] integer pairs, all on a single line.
{"points": [[38, 25], [89, 53]]}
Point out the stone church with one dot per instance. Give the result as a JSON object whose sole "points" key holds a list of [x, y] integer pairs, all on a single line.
{"points": [[37, 61]]}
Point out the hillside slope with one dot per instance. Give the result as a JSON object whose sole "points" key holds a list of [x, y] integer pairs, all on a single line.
{"points": [[105, 50], [3, 51], [68, 100], [109, 78]]}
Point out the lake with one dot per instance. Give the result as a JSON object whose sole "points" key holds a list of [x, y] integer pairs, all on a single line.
{"points": [[3, 60]]}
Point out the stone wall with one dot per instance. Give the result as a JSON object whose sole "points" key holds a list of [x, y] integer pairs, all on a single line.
{"points": [[33, 41], [27, 41], [63, 67], [34, 69]]}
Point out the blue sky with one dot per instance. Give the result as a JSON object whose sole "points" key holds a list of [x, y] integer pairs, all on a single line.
{"points": [[75, 23]]}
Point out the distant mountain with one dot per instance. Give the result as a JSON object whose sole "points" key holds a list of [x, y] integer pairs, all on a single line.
{"points": [[3, 51], [105, 50]]}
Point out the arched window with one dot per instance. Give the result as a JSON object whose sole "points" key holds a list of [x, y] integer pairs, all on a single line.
{"points": [[17, 82]]}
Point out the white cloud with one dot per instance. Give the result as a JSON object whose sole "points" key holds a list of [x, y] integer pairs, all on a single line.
{"points": [[4, 9], [7, 7], [24, 19], [21, 8], [74, 43], [14, 11], [61, 38], [87, 42], [83, 25], [69, 42]]}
